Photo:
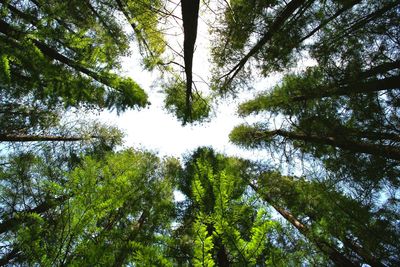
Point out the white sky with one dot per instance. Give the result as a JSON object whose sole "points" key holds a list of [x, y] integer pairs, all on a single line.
{"points": [[154, 129]]}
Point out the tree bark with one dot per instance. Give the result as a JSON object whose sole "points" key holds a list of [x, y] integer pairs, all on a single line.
{"points": [[41, 138], [190, 14], [126, 249], [334, 255], [9, 257], [275, 27], [380, 69], [358, 249], [343, 143], [368, 257], [351, 89], [346, 7]]}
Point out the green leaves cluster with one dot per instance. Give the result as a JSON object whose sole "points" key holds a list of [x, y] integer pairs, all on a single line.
{"points": [[109, 211], [57, 56], [175, 103]]}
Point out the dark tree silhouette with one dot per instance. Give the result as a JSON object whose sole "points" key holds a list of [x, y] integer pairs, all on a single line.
{"points": [[190, 15]]}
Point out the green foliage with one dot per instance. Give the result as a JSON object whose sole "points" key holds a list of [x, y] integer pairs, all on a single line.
{"points": [[175, 102], [203, 245], [105, 217], [320, 205], [339, 118], [250, 136], [228, 228], [5, 69], [280, 98], [59, 56], [85, 204], [149, 37]]}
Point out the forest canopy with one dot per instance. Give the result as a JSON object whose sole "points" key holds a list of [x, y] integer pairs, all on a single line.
{"points": [[73, 194]]}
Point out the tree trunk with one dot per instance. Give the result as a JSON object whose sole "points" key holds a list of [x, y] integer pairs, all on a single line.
{"points": [[190, 14], [9, 257], [380, 69], [333, 90], [358, 249], [334, 255], [351, 89], [126, 249], [41, 138], [346, 7], [275, 27], [343, 143], [367, 256]]}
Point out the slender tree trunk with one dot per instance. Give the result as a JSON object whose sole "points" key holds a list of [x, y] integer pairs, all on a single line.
{"points": [[9, 257], [222, 256], [334, 255], [126, 249], [367, 256], [41, 138], [343, 143], [380, 69], [333, 90], [219, 248], [362, 22], [351, 89], [334, 16], [273, 29], [370, 134], [358, 249], [190, 14]]}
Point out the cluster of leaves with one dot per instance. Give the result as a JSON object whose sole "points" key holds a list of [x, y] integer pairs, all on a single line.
{"points": [[54, 54], [175, 102], [106, 210]]}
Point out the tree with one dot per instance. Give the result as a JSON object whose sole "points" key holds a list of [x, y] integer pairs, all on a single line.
{"points": [[68, 198], [176, 102], [277, 34], [341, 113], [190, 14], [111, 210], [314, 208], [183, 98], [54, 54], [222, 223]]}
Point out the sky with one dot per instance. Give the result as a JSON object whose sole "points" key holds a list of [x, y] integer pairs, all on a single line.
{"points": [[156, 130]]}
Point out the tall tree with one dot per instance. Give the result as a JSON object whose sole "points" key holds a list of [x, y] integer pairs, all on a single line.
{"points": [[278, 34], [222, 223], [190, 16], [343, 112], [51, 53], [110, 211], [314, 208]]}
